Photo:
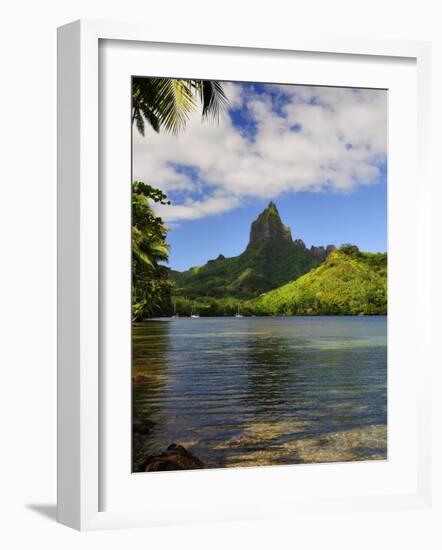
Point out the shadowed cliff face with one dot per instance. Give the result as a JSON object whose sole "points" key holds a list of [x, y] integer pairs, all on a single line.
{"points": [[268, 227], [271, 259]]}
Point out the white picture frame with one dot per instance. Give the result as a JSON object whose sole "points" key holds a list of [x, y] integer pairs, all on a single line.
{"points": [[79, 274]]}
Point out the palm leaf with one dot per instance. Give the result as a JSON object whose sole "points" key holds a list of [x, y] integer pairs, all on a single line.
{"points": [[213, 98], [173, 103], [139, 121], [151, 117], [167, 102]]}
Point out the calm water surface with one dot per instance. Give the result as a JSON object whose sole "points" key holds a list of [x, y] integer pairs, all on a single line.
{"points": [[257, 390]]}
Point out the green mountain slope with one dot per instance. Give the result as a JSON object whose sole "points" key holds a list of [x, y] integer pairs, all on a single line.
{"points": [[270, 260], [349, 282]]}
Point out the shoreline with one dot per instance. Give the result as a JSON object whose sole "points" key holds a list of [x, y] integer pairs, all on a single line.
{"points": [[340, 315], [362, 444]]}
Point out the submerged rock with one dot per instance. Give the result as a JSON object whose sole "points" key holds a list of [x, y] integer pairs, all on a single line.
{"points": [[176, 457], [139, 377], [142, 426]]}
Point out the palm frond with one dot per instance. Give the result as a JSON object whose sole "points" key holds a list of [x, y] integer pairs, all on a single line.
{"points": [[213, 98], [174, 102], [151, 117], [167, 102], [139, 121]]}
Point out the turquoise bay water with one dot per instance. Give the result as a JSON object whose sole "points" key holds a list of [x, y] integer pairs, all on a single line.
{"points": [[261, 390]]}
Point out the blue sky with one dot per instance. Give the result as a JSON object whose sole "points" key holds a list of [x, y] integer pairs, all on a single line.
{"points": [[319, 153], [316, 218]]}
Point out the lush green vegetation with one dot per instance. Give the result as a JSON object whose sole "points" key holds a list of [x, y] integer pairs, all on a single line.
{"points": [[209, 307], [151, 284], [349, 282], [270, 260], [162, 103], [273, 276]]}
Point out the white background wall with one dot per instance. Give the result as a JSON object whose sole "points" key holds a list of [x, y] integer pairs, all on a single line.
{"points": [[28, 265]]}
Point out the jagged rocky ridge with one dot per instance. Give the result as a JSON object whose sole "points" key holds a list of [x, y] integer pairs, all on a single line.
{"points": [[272, 258]]}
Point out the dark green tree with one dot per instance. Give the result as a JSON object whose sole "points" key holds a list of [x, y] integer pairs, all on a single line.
{"points": [[151, 286]]}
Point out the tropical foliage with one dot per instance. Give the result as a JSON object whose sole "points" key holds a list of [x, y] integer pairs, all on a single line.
{"points": [[162, 103], [167, 102], [208, 307], [273, 276], [270, 260], [349, 282], [151, 285]]}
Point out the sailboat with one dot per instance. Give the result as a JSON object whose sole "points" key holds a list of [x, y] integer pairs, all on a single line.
{"points": [[238, 314], [193, 315]]}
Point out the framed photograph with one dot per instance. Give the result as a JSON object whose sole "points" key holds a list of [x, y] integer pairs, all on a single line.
{"points": [[241, 332]]}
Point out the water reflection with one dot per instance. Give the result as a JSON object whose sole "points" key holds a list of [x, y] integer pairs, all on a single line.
{"points": [[274, 377], [262, 391], [149, 381]]}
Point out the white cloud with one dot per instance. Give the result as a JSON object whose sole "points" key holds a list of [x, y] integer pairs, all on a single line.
{"points": [[235, 94], [192, 209], [306, 139]]}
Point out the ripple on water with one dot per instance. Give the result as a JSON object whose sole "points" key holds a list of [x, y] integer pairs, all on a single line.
{"points": [[369, 442], [262, 391]]}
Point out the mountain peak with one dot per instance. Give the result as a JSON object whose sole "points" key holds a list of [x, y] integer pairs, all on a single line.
{"points": [[268, 227], [270, 260]]}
